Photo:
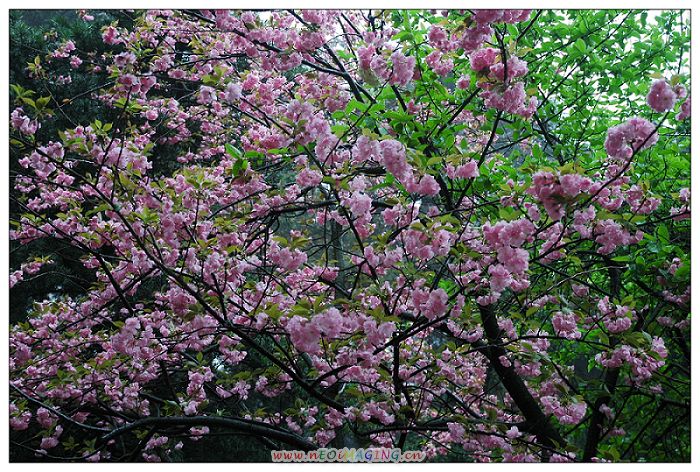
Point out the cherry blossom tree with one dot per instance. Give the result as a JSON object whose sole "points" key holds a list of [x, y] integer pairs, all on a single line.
{"points": [[464, 232]]}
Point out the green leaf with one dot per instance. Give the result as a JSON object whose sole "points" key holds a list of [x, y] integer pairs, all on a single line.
{"points": [[232, 151], [435, 160]]}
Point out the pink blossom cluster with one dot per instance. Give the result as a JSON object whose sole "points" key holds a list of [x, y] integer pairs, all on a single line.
{"points": [[571, 413], [632, 136], [682, 300], [285, 258], [439, 38], [437, 62], [475, 36], [423, 247], [643, 363], [402, 67], [611, 235], [682, 212], [617, 319], [501, 16], [27, 268], [483, 58], [111, 35], [306, 334], [426, 185], [85, 16], [64, 50], [23, 123], [639, 200], [468, 170], [507, 239], [515, 66], [430, 304], [19, 419], [685, 110], [579, 290], [512, 100], [583, 221], [565, 324], [662, 96], [394, 158], [555, 191]]}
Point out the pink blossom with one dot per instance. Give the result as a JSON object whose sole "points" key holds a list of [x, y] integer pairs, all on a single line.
{"points": [[330, 322], [48, 443], [19, 421], [475, 36], [570, 414], [75, 62], [426, 186], [635, 134], [574, 184], [579, 290], [513, 432], [463, 82], [45, 418], [206, 95], [110, 35], [364, 55], [505, 362], [565, 325], [309, 178], [661, 96], [83, 14], [514, 233], [23, 123], [457, 432], [500, 278], [233, 92], [483, 58], [403, 67], [685, 110], [394, 157], [16, 277], [437, 36], [469, 170], [377, 334], [287, 259], [440, 66], [304, 335], [497, 16], [512, 100], [516, 68], [360, 203], [435, 305], [611, 236]]}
